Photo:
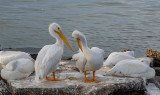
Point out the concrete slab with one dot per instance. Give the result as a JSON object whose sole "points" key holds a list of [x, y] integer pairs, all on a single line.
{"points": [[73, 83]]}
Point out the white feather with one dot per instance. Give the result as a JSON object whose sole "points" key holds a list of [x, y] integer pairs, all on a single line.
{"points": [[94, 59], [115, 57], [47, 60], [17, 69], [133, 68], [80, 60], [98, 50], [7, 56], [76, 56]]}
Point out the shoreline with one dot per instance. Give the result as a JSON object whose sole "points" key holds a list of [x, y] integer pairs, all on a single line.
{"points": [[34, 51]]}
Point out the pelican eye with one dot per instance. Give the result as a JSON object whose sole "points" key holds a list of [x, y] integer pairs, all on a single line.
{"points": [[58, 28]]}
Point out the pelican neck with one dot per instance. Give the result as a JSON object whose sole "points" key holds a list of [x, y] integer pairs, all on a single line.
{"points": [[59, 41], [84, 44]]}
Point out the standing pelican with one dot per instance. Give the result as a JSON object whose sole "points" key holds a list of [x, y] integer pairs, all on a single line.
{"points": [[87, 59], [50, 55]]}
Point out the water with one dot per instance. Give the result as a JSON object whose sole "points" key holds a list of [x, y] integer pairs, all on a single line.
{"points": [[112, 25]]}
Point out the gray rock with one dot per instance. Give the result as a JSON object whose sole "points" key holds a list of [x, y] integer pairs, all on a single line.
{"points": [[3, 88], [73, 83], [155, 80]]}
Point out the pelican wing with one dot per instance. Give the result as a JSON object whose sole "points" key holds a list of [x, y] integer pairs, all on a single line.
{"points": [[48, 60], [131, 53], [80, 60], [25, 65], [115, 57], [22, 65], [42, 53], [11, 66], [129, 67], [7, 56], [77, 55], [40, 56], [98, 50]]}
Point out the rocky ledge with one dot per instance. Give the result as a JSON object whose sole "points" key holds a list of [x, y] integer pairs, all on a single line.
{"points": [[73, 83]]}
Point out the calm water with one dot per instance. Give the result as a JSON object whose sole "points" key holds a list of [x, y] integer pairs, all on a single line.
{"points": [[112, 25]]}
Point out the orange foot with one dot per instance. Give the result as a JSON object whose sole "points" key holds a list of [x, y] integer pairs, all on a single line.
{"points": [[87, 80], [52, 79], [94, 80]]}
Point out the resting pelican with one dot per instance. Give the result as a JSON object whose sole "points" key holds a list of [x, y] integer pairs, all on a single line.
{"points": [[17, 69], [134, 68], [115, 57], [89, 59], [50, 55], [7, 56]]}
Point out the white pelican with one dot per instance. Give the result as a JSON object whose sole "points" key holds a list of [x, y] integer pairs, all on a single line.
{"points": [[89, 59], [115, 57], [134, 68], [50, 55], [17, 69], [7, 56]]}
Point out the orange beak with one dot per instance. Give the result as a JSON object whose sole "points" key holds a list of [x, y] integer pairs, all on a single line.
{"points": [[64, 39], [79, 44]]}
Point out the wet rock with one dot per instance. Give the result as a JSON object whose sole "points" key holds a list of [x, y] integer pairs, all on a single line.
{"points": [[157, 69], [73, 83], [155, 80]]}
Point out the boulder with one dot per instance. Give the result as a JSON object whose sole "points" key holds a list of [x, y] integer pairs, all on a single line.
{"points": [[3, 88], [154, 54], [73, 83]]}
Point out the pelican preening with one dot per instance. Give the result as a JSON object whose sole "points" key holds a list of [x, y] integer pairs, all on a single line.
{"points": [[87, 59], [50, 55]]}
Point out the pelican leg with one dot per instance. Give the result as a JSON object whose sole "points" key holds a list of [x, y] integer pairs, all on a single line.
{"points": [[53, 79], [86, 80], [94, 80]]}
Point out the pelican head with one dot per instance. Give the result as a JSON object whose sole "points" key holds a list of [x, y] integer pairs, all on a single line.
{"points": [[79, 37], [146, 60], [56, 31]]}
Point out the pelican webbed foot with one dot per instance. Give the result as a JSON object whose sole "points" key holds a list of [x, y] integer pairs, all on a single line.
{"points": [[94, 80], [86, 80], [53, 79]]}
